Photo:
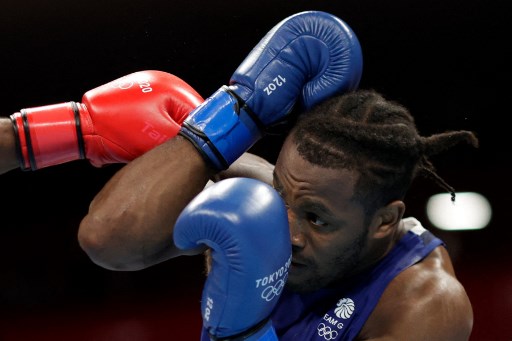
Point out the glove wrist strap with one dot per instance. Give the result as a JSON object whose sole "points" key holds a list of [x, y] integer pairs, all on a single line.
{"points": [[48, 135], [221, 130], [263, 331]]}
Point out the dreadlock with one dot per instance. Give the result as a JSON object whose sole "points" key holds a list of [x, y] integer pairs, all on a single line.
{"points": [[364, 132]]}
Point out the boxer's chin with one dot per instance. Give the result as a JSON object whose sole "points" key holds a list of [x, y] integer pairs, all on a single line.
{"points": [[301, 280]]}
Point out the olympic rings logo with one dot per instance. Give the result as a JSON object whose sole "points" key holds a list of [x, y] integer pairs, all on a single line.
{"points": [[123, 83], [270, 292], [327, 332]]}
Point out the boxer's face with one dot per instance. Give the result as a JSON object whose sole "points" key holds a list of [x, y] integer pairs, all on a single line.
{"points": [[328, 232]]}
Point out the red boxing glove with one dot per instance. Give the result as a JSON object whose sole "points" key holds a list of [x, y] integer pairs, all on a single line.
{"points": [[115, 122]]}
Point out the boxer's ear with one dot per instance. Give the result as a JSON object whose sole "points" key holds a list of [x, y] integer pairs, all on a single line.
{"points": [[387, 219]]}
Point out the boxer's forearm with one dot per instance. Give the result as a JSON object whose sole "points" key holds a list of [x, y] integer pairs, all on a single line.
{"points": [[8, 160], [249, 166], [130, 222]]}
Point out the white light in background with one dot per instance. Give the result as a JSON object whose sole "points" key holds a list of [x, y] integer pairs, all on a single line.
{"points": [[470, 211]]}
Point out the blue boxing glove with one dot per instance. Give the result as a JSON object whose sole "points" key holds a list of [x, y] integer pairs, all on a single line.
{"points": [[245, 224], [306, 58]]}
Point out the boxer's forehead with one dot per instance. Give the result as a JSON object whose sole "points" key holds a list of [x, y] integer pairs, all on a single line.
{"points": [[295, 177]]}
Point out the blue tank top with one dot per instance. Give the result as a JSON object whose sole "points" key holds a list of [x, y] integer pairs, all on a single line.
{"points": [[340, 313]]}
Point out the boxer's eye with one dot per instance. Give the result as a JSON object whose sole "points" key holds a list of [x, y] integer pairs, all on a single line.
{"points": [[315, 220]]}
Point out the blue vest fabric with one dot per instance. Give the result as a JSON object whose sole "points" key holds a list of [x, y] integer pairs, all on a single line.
{"points": [[339, 313]]}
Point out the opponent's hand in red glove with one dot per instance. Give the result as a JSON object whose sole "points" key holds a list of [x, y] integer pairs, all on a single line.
{"points": [[114, 123]]}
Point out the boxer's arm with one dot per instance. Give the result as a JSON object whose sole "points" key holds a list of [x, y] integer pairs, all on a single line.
{"points": [[8, 159], [248, 166], [130, 222]]}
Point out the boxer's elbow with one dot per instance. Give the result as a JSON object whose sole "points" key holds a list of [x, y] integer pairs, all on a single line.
{"points": [[104, 241]]}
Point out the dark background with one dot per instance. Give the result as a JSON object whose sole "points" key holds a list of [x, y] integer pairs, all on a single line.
{"points": [[445, 60]]}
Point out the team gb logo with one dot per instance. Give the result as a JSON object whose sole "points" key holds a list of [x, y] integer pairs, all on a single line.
{"points": [[344, 308]]}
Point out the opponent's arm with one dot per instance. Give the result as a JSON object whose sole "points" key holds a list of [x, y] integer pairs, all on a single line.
{"points": [[114, 123], [310, 56], [8, 160]]}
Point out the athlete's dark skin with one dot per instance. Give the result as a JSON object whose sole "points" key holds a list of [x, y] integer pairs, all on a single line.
{"points": [[8, 160], [129, 227]]}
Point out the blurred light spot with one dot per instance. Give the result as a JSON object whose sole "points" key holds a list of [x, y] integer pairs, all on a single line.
{"points": [[470, 211]]}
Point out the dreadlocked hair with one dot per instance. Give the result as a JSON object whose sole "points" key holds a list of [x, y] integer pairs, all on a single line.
{"points": [[364, 132]]}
